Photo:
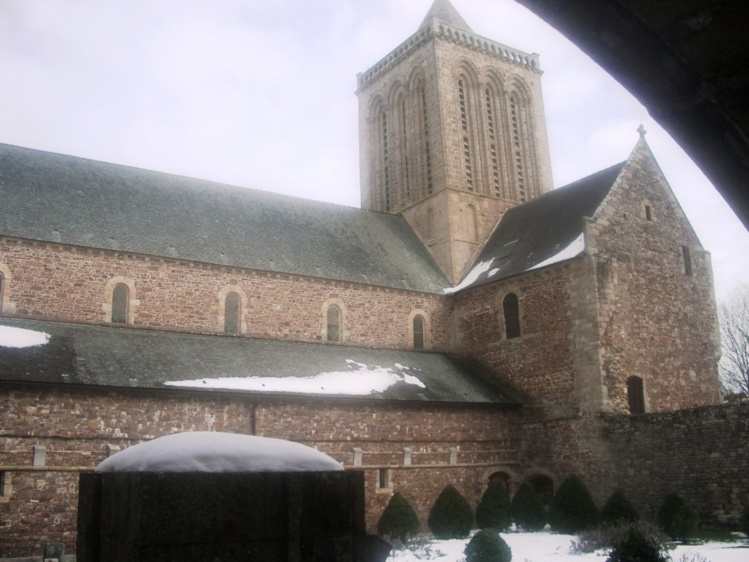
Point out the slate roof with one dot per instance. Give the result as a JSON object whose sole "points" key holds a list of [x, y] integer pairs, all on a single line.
{"points": [[535, 233], [57, 198], [126, 357]]}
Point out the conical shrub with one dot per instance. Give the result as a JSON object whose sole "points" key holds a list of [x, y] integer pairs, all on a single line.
{"points": [[666, 516], [493, 511], [636, 547], [572, 510], [399, 521], [618, 509], [526, 509], [451, 517], [487, 546]]}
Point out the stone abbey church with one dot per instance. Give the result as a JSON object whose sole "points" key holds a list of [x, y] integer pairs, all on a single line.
{"points": [[467, 323]]}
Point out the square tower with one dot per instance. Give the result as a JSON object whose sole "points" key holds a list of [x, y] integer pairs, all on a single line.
{"points": [[452, 134]]}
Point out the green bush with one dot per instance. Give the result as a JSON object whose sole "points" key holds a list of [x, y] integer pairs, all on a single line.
{"points": [[527, 511], [399, 521], [607, 536], [451, 517], [487, 546], [572, 510], [685, 523], [676, 518], [636, 547], [618, 509], [493, 511], [744, 521]]}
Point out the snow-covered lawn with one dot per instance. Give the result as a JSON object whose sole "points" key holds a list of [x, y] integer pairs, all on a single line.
{"points": [[548, 547]]}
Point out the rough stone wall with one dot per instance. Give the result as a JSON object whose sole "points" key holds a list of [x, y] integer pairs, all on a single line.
{"points": [[657, 313], [539, 363], [58, 282], [73, 430], [701, 454]]}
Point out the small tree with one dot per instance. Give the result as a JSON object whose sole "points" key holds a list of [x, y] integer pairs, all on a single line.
{"points": [[527, 511], [487, 546], [399, 521], [684, 523], [451, 517], [734, 339], [636, 547], [493, 511], [572, 510], [666, 513], [618, 510]]}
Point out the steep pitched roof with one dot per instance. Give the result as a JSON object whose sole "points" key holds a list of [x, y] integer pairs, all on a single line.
{"points": [[51, 352], [541, 232], [56, 198], [445, 12]]}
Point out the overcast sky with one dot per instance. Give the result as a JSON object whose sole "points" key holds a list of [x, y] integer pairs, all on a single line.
{"points": [[260, 93]]}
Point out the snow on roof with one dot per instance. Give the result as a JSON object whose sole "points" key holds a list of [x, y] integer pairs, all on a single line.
{"points": [[359, 382], [21, 337], [572, 250], [208, 451], [472, 276]]}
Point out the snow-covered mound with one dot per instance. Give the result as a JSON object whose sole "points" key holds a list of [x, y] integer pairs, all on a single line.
{"points": [[207, 451]]}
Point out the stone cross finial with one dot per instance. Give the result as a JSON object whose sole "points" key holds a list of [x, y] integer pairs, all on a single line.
{"points": [[642, 131]]}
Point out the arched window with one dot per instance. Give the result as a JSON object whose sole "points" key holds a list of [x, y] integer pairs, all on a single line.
{"points": [[635, 395], [464, 124], [231, 313], [517, 146], [120, 298], [491, 129], [418, 326], [511, 311], [334, 324]]}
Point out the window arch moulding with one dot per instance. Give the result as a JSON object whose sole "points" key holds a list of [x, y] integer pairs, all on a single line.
{"points": [[426, 332], [509, 308], [333, 321], [6, 279], [241, 310]]}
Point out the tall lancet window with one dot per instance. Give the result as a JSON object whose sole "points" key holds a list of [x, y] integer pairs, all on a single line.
{"points": [[517, 146], [427, 154], [385, 161], [231, 313], [404, 147], [333, 324], [491, 128], [418, 330], [463, 104], [120, 298]]}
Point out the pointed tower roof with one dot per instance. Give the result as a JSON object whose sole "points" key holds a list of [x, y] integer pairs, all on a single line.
{"points": [[445, 12]]}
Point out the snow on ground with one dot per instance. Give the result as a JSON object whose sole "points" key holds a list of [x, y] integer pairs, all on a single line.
{"points": [[549, 547], [11, 336], [360, 381], [208, 451]]}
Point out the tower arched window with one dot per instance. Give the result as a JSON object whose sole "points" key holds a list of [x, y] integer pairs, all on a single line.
{"points": [[333, 324], [491, 128], [386, 180], [120, 300], [511, 313], [427, 153], [465, 130], [635, 395], [517, 146], [232, 306], [418, 330]]}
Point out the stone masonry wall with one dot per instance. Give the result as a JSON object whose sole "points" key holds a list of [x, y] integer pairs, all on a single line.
{"points": [[57, 282], [52, 434]]}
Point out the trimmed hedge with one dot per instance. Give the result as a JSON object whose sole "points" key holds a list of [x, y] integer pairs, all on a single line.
{"points": [[493, 511], [572, 510], [676, 518], [487, 546], [399, 521], [636, 547], [451, 517], [618, 510], [527, 511]]}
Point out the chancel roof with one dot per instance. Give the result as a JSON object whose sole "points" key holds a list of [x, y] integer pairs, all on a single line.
{"points": [[57, 198], [546, 230], [59, 353]]}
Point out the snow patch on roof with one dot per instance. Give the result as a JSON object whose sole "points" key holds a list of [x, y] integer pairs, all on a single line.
{"points": [[208, 451], [21, 337], [473, 275], [574, 249], [363, 381]]}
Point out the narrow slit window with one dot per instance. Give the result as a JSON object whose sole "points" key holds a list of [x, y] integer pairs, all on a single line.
{"points": [[383, 478], [511, 310], [334, 324], [120, 297], [687, 260], [231, 313], [418, 328], [635, 395]]}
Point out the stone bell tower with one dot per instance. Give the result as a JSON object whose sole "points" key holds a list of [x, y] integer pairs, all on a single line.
{"points": [[451, 135]]}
